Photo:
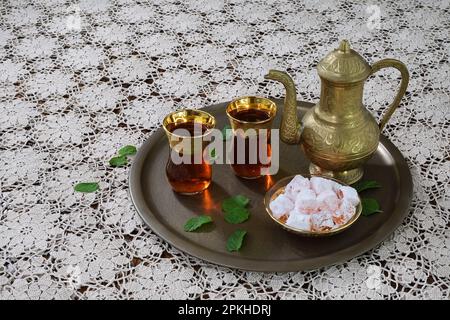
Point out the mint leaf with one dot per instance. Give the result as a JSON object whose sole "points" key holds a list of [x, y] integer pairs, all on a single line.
{"points": [[234, 242], [242, 200], [86, 187], [227, 132], [234, 208], [127, 151], [231, 203], [212, 155], [118, 161], [369, 206], [364, 185], [196, 222], [237, 215]]}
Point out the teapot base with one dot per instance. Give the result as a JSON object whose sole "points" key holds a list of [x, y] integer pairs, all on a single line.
{"points": [[347, 176]]}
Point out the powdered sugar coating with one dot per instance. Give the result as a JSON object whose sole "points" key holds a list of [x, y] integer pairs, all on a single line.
{"points": [[300, 221], [297, 184], [349, 194], [281, 205], [322, 221], [328, 200], [306, 200], [319, 184], [347, 209]]}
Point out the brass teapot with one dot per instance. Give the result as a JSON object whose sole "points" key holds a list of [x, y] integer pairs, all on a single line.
{"points": [[338, 134]]}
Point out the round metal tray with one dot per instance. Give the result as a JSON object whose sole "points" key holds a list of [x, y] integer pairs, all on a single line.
{"points": [[267, 247]]}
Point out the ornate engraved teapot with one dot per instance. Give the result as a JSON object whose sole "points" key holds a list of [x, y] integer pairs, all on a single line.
{"points": [[338, 134]]}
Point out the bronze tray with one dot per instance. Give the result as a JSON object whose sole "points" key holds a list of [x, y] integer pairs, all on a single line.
{"points": [[267, 247]]}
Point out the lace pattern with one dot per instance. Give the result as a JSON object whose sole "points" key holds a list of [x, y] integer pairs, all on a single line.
{"points": [[81, 78]]}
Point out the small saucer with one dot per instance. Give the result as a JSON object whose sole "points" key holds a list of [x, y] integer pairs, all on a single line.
{"points": [[278, 188]]}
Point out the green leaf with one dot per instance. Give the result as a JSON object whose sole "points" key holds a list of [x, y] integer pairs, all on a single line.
{"points": [[118, 161], [212, 154], [242, 200], [237, 215], [227, 132], [234, 242], [231, 203], [86, 187], [364, 185], [196, 222], [369, 206], [127, 151]]}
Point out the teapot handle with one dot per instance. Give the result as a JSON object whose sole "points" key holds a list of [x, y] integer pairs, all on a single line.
{"points": [[386, 63]]}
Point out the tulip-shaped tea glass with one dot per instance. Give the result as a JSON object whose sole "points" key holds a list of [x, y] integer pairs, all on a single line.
{"points": [[251, 119], [188, 170]]}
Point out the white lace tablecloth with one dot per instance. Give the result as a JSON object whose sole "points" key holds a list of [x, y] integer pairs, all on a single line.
{"points": [[81, 78]]}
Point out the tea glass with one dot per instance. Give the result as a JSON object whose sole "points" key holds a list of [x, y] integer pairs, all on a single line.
{"points": [[188, 170], [251, 120]]}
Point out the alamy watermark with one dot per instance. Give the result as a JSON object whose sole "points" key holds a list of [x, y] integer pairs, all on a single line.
{"points": [[250, 146], [374, 19]]}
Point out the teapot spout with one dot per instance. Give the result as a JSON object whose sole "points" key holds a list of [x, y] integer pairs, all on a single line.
{"points": [[290, 126]]}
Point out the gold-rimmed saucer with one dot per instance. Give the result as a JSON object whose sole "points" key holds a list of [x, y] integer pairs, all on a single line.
{"points": [[278, 188]]}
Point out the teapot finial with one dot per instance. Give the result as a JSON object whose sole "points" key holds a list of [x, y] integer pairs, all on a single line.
{"points": [[344, 46]]}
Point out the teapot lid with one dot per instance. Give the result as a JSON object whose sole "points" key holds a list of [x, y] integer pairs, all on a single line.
{"points": [[343, 65]]}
